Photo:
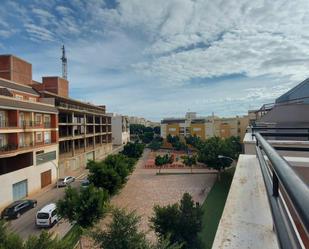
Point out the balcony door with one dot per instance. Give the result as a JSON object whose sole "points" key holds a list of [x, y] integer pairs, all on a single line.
{"points": [[21, 119], [1, 140], [21, 139]]}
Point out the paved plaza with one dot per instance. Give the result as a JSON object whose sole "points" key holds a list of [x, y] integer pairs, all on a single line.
{"points": [[145, 189]]}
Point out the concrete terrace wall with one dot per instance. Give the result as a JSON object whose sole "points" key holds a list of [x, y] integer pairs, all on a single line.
{"points": [[246, 221]]}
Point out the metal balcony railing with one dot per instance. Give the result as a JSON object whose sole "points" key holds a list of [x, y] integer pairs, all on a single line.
{"points": [[29, 123], [288, 196], [8, 147], [281, 133], [7, 124], [47, 124]]}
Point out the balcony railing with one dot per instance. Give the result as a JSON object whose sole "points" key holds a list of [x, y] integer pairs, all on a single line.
{"points": [[14, 147], [282, 133], [8, 124], [8, 147], [47, 124], [288, 196], [29, 124]]}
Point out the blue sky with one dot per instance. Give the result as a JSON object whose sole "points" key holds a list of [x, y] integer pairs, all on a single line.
{"points": [[158, 58]]}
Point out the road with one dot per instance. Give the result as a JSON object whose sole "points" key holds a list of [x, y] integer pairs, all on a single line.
{"points": [[25, 225]]}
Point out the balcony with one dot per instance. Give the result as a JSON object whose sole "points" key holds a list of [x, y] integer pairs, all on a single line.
{"points": [[18, 148], [8, 124], [268, 202], [29, 124]]}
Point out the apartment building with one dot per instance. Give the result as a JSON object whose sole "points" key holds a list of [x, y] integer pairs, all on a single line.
{"points": [[234, 126], [120, 129], [142, 121], [204, 127], [85, 131], [28, 133]]}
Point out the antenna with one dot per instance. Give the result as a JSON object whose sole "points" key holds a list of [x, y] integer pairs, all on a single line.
{"points": [[64, 64]]}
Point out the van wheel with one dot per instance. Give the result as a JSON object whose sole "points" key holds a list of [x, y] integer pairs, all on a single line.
{"points": [[17, 215]]}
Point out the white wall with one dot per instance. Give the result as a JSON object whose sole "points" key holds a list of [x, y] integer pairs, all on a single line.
{"points": [[118, 136], [163, 130], [32, 174]]}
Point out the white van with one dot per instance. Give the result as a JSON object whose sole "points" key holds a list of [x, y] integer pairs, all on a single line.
{"points": [[47, 216]]}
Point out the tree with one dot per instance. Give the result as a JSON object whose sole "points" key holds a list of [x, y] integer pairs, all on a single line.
{"points": [[210, 151], [10, 240], [137, 129], [133, 150], [45, 241], [162, 160], [159, 162], [195, 141], [189, 161], [147, 137], [157, 130], [85, 206], [102, 175], [123, 233], [155, 145], [181, 222], [122, 164]]}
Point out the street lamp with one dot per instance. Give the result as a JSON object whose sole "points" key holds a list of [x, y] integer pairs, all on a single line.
{"points": [[225, 157], [55, 165]]}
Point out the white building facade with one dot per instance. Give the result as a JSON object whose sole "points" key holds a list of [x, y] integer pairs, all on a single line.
{"points": [[120, 129]]}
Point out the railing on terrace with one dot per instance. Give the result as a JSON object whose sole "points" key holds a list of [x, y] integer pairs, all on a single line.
{"points": [[281, 133], [288, 196]]}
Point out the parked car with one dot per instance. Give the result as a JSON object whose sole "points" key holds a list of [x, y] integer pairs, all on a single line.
{"points": [[17, 208], [62, 182], [47, 216], [85, 183]]}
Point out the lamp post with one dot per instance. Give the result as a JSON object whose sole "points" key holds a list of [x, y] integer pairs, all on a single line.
{"points": [[56, 166], [223, 157]]}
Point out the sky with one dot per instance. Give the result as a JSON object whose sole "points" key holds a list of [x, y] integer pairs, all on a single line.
{"points": [[162, 58]]}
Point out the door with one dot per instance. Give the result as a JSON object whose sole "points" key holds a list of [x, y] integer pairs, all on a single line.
{"points": [[45, 178], [20, 190], [21, 119], [2, 120]]}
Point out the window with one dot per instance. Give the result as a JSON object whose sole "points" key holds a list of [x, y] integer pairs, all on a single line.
{"points": [[1, 140], [196, 129], [2, 123], [38, 119], [47, 121], [47, 137], [32, 99], [39, 137], [17, 96], [172, 129]]}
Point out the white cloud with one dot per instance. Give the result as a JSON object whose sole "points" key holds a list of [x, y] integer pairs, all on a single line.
{"points": [[157, 57]]}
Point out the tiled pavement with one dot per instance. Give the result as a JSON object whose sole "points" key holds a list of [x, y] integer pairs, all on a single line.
{"points": [[145, 189]]}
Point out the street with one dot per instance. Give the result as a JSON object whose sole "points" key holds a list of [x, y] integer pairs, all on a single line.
{"points": [[25, 225]]}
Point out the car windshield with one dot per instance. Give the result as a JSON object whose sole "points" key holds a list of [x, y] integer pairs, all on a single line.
{"points": [[42, 215]]}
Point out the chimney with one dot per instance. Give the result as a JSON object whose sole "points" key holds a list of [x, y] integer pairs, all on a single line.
{"points": [[15, 69]]}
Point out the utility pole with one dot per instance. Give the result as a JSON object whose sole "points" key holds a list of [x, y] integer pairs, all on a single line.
{"points": [[64, 64]]}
